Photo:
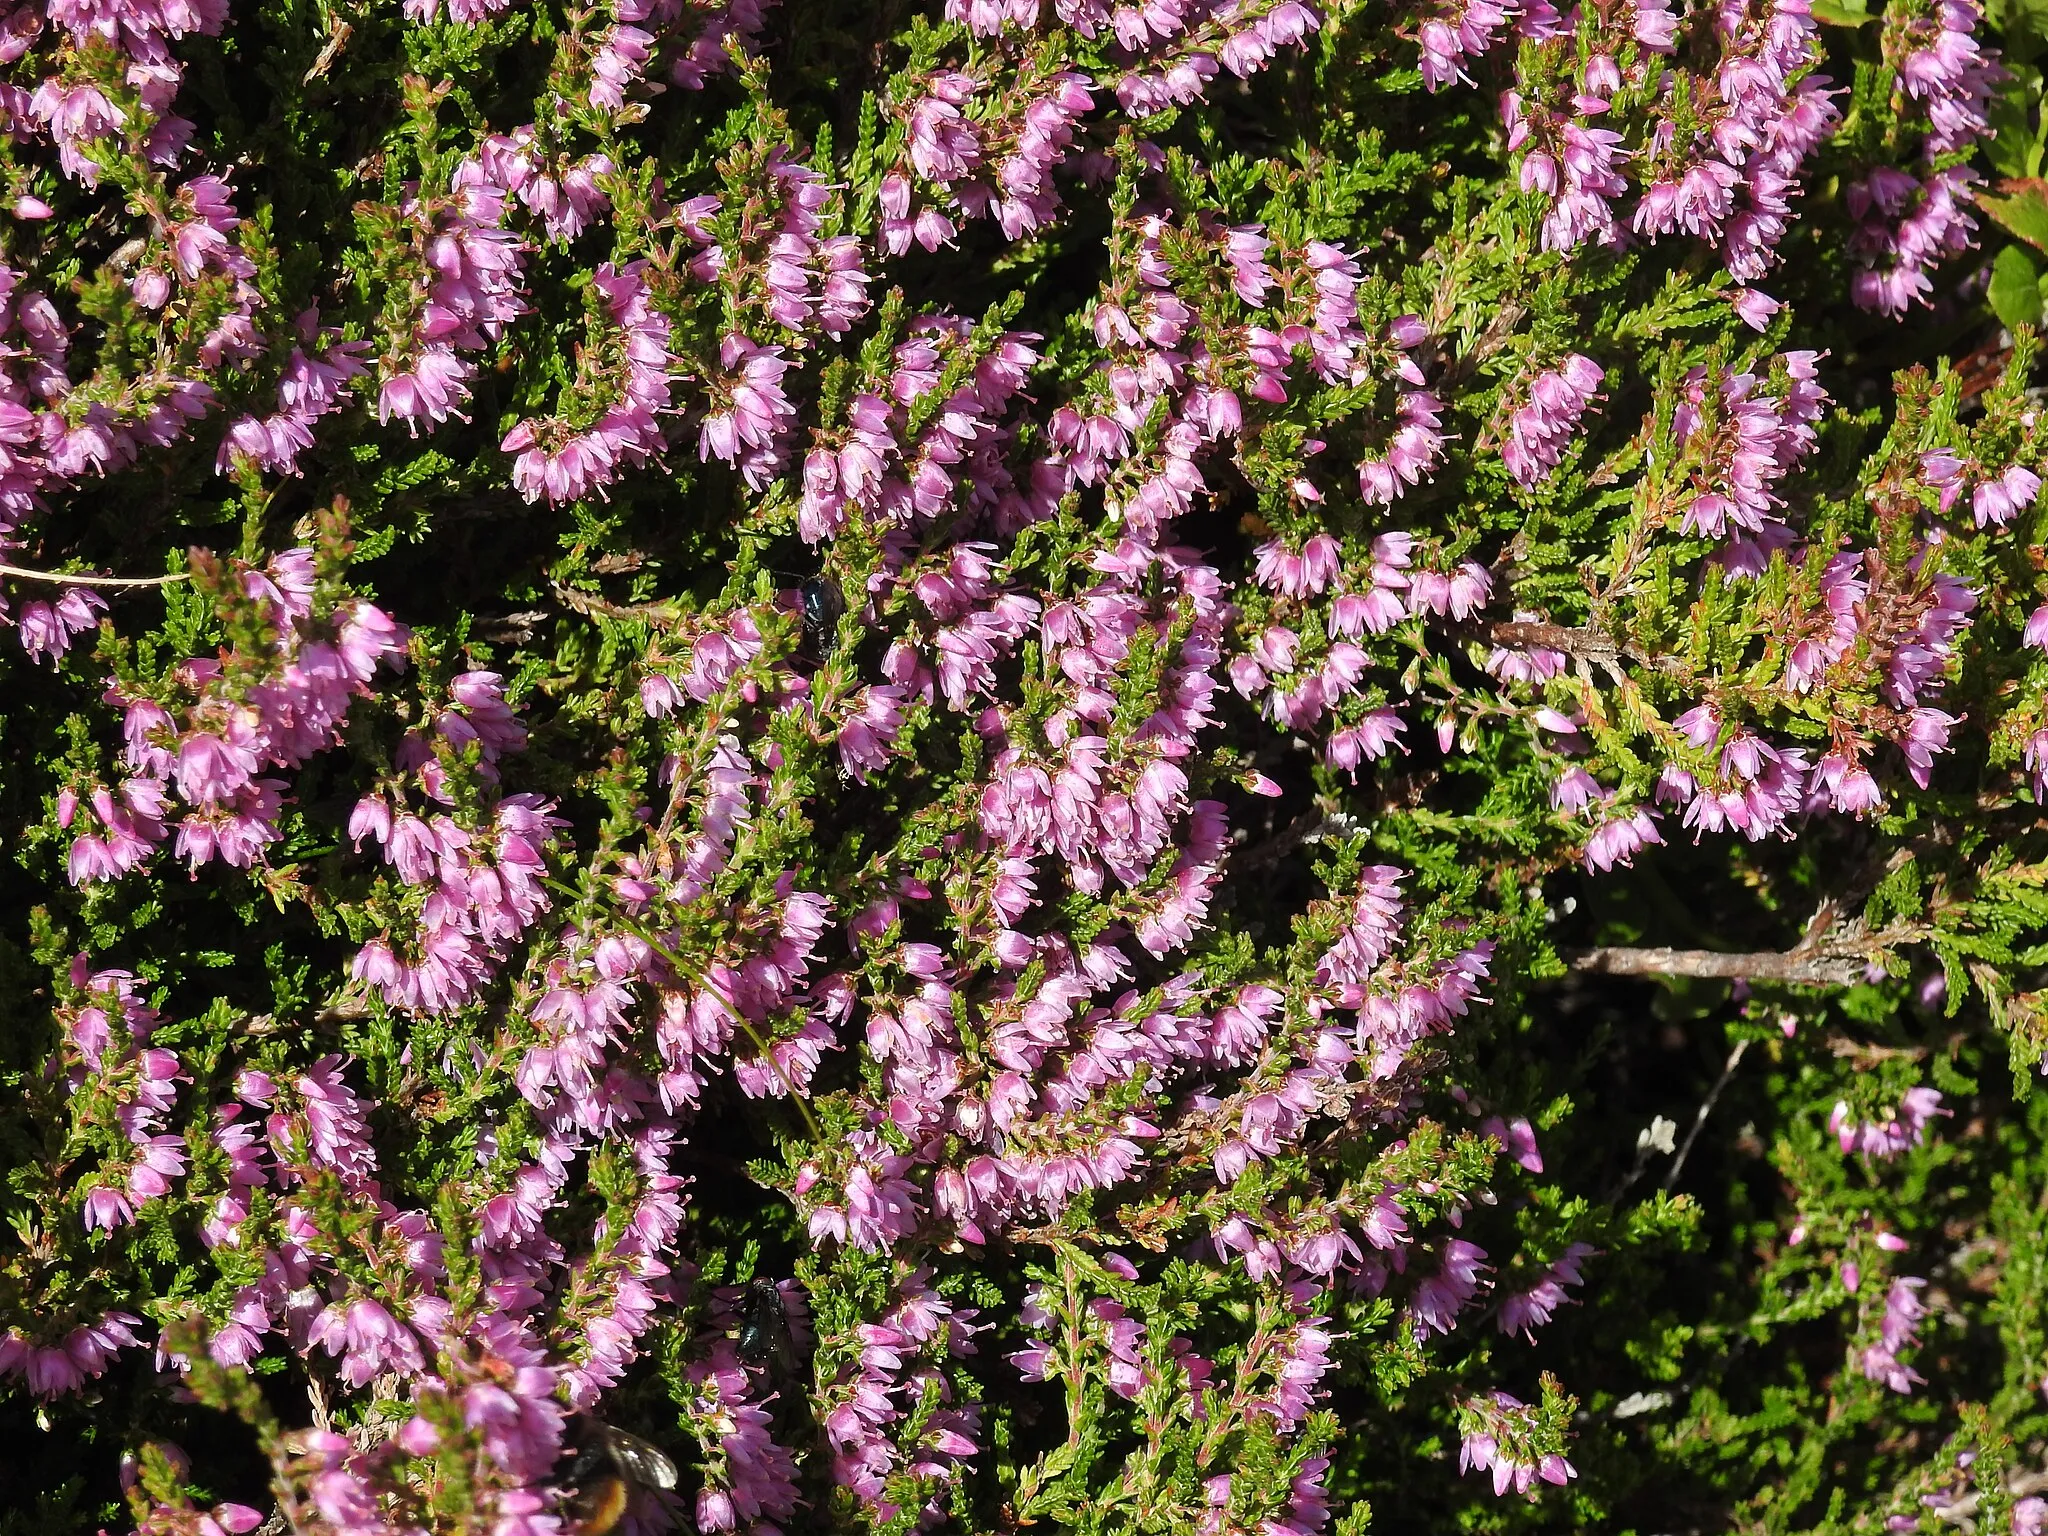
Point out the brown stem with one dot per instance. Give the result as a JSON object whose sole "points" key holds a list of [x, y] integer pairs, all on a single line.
{"points": [[87, 578], [1828, 955], [1814, 970], [660, 615], [1586, 644], [1699, 1120], [336, 41], [513, 628]]}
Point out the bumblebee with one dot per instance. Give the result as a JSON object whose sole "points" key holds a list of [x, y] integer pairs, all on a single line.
{"points": [[607, 1468], [764, 1328]]}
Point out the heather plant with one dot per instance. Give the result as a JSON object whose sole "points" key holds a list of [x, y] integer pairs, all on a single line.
{"points": [[1226, 766]]}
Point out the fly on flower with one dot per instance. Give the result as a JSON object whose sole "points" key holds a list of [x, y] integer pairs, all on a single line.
{"points": [[823, 604], [765, 1339]]}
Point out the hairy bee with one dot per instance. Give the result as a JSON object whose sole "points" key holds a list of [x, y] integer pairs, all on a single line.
{"points": [[606, 1468], [764, 1328]]}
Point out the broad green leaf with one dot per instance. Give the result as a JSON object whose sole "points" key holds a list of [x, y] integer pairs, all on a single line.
{"points": [[2025, 214], [2015, 145], [2015, 288]]}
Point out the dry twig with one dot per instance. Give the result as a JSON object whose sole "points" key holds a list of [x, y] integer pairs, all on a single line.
{"points": [[1583, 644], [660, 615], [88, 578], [1706, 1108], [1829, 955]]}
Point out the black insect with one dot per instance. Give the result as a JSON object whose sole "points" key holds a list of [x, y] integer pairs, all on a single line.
{"points": [[606, 1468], [764, 1328], [823, 603]]}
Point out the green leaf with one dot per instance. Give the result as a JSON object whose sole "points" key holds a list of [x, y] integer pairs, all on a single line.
{"points": [[2025, 214], [2015, 288], [2015, 146], [1834, 14], [2024, 24]]}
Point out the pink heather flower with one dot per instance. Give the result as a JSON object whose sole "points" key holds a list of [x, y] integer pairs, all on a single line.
{"points": [[433, 390], [1498, 1434], [84, 1355], [1998, 500], [752, 411], [1517, 1140], [1907, 227], [1620, 837], [1368, 936], [1541, 430], [1887, 1138], [558, 462], [869, 734], [1903, 1310], [1461, 33], [1371, 738], [47, 629], [1435, 1306], [1755, 307], [369, 1338], [1529, 1310], [1302, 573], [1415, 450]]}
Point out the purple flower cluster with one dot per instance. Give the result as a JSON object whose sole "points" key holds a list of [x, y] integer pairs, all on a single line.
{"points": [[1893, 1133], [1907, 225], [1526, 1311], [309, 388], [208, 732], [749, 1480], [1540, 431], [894, 1421], [691, 40], [1501, 1436], [1737, 442], [1724, 170], [1714, 147], [1880, 630], [120, 1090], [1038, 991], [1903, 1310], [618, 401], [466, 289], [478, 888], [1909, 221], [190, 294], [990, 139]]}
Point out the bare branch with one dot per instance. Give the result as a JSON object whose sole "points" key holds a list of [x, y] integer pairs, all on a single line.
{"points": [[344, 1007], [1764, 965], [88, 578], [1867, 1056], [1589, 643], [1829, 955], [513, 628], [336, 41], [1699, 1120], [1585, 644], [660, 615]]}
